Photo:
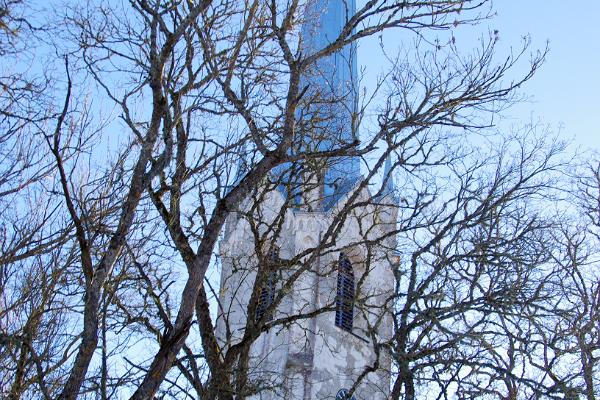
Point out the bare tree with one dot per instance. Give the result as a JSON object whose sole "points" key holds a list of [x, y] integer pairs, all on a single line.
{"points": [[217, 111], [472, 271], [568, 333], [34, 344]]}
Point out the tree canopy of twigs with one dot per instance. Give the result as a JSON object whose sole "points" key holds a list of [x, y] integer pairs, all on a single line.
{"points": [[134, 133]]}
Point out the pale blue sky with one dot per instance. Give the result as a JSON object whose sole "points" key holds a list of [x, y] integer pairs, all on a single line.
{"points": [[567, 87], [564, 92]]}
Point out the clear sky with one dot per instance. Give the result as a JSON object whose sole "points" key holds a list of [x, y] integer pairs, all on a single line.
{"points": [[566, 90]]}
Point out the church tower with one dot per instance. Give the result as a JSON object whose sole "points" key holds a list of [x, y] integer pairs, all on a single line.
{"points": [[307, 280]]}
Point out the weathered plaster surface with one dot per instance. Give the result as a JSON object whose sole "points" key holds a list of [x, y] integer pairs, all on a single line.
{"points": [[312, 358]]}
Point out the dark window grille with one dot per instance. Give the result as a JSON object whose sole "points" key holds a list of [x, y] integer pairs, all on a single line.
{"points": [[344, 311], [267, 291]]}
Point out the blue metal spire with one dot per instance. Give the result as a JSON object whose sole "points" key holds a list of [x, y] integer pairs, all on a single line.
{"points": [[329, 105], [389, 188], [332, 93]]}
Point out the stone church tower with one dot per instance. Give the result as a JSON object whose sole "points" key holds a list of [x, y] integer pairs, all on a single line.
{"points": [[312, 278]]}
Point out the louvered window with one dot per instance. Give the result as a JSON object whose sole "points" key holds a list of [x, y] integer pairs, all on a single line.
{"points": [[267, 290], [344, 312]]}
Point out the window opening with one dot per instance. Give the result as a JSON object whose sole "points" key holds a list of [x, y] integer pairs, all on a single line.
{"points": [[267, 291], [344, 312]]}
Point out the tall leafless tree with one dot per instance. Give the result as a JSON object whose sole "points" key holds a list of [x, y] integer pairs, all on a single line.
{"points": [[109, 257]]}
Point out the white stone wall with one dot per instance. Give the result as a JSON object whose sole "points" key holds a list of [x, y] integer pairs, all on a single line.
{"points": [[312, 358]]}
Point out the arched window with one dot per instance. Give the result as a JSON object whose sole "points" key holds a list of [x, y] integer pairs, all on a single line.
{"points": [[344, 311], [266, 295]]}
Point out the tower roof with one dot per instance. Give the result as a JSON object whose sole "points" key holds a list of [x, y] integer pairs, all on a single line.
{"points": [[389, 188], [327, 115]]}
